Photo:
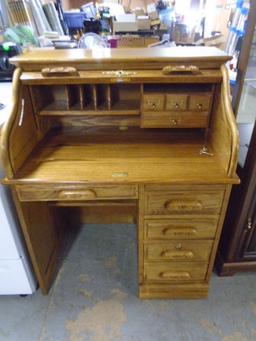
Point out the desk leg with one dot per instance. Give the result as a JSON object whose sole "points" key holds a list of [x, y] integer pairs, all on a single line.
{"points": [[40, 230]]}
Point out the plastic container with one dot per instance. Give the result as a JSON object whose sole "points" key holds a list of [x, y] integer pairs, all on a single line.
{"points": [[74, 20]]}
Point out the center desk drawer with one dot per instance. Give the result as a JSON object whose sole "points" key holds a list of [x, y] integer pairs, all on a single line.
{"points": [[174, 271], [65, 193], [172, 202]]}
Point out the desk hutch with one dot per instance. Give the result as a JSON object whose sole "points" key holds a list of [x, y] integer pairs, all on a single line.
{"points": [[150, 129]]}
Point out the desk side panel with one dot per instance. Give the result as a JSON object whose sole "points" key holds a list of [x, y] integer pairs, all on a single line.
{"points": [[40, 227], [223, 129], [20, 134]]}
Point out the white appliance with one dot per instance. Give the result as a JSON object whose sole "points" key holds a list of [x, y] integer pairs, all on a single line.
{"points": [[16, 276]]}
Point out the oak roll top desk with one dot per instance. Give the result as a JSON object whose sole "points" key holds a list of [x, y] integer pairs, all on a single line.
{"points": [[148, 127]]}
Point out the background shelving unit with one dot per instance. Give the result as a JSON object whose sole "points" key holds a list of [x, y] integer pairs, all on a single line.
{"points": [[237, 31]]}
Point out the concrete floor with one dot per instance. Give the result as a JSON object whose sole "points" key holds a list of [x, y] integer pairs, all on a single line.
{"points": [[94, 299]]}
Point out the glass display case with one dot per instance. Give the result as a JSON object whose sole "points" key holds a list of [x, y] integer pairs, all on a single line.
{"points": [[237, 250], [246, 114]]}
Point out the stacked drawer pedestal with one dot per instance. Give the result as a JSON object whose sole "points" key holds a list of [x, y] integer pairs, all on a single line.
{"points": [[179, 231]]}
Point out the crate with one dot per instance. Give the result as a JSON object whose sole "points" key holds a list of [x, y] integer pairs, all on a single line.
{"points": [[74, 20]]}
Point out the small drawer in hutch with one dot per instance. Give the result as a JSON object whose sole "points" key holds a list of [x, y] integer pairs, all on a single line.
{"points": [[200, 102], [176, 102], [153, 102], [175, 119]]}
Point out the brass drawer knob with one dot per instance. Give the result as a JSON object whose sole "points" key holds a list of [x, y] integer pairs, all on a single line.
{"points": [[174, 123], [177, 105], [199, 106], [178, 246], [154, 106]]}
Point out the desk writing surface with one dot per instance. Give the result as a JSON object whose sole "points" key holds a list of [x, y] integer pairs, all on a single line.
{"points": [[99, 154]]}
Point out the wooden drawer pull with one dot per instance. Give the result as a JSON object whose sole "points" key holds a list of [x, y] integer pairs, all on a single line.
{"points": [[59, 71], [167, 70], [187, 231], [88, 193], [174, 275], [170, 254], [177, 205]]}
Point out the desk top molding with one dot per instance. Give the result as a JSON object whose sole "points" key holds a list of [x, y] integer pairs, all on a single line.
{"points": [[103, 58]]}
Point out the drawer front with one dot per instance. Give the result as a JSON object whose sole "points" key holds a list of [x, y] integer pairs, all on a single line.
{"points": [[35, 193], [174, 120], [154, 102], [180, 250], [200, 102], [180, 228], [176, 102], [179, 202], [174, 271]]}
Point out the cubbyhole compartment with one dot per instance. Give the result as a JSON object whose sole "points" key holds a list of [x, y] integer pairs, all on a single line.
{"points": [[125, 97], [41, 97], [73, 97], [101, 97], [87, 97], [49, 99]]}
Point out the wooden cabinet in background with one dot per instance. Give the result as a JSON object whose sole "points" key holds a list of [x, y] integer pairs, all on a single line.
{"points": [[237, 250]]}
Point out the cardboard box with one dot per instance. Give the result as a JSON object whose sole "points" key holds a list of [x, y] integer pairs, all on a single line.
{"points": [[155, 22], [129, 40], [125, 23], [138, 11], [152, 12], [151, 40], [143, 22]]}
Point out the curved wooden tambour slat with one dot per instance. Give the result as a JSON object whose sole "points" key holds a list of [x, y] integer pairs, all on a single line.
{"points": [[225, 97], [6, 130]]}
